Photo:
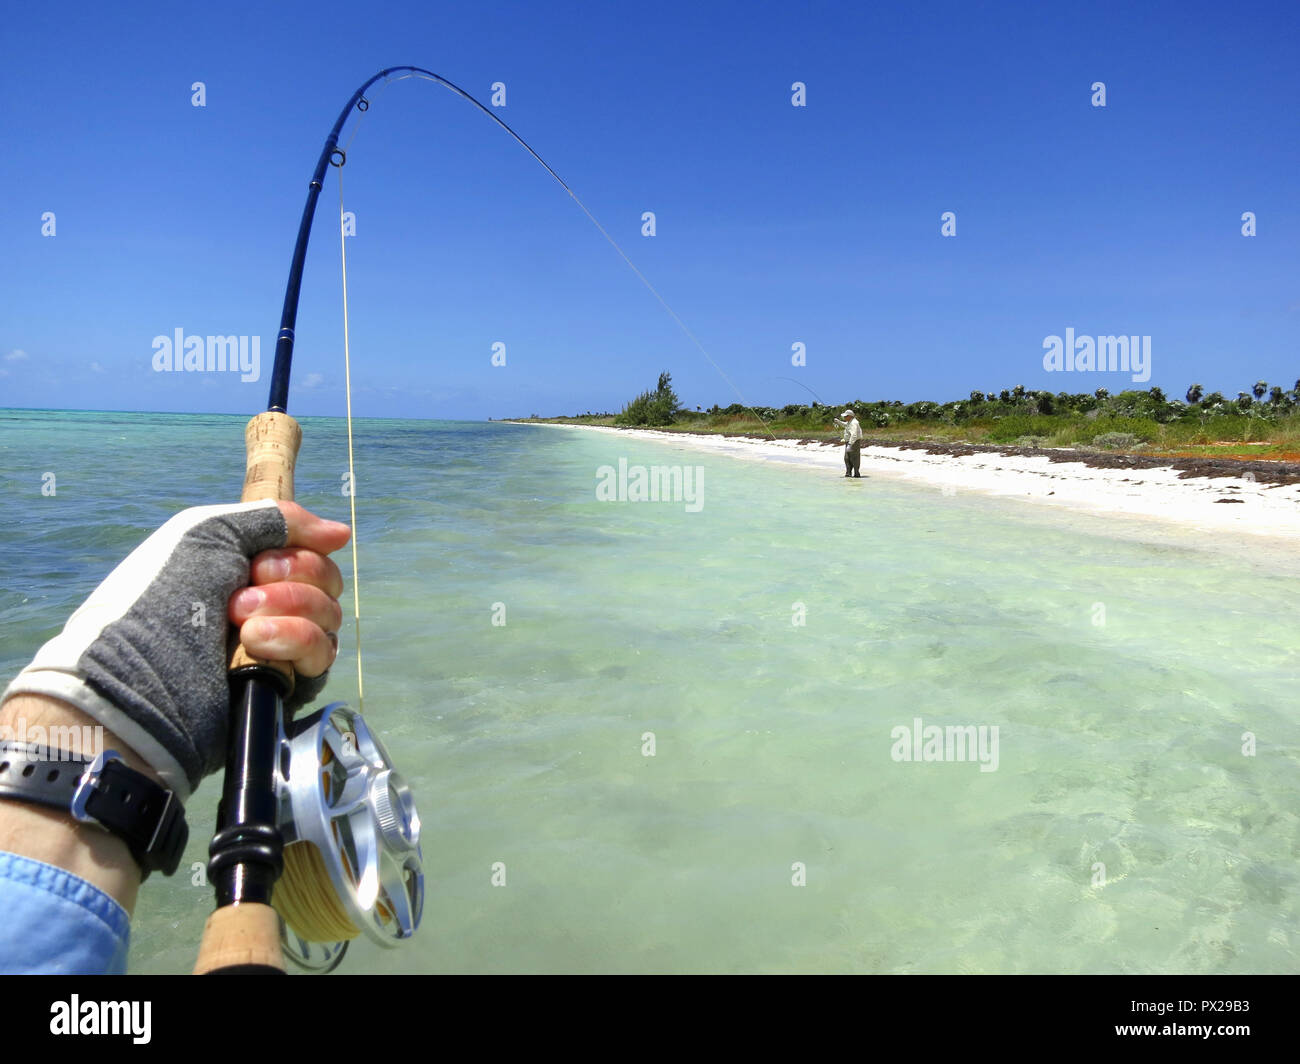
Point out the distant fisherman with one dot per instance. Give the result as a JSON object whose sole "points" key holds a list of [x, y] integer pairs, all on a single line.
{"points": [[852, 443]]}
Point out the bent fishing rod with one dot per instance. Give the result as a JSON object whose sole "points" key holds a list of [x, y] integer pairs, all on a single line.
{"points": [[317, 839], [313, 807]]}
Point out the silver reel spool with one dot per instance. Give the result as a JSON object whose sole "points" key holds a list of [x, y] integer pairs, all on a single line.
{"points": [[338, 791]]}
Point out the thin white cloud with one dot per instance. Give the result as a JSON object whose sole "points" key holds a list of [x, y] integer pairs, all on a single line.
{"points": [[17, 355], [313, 380]]}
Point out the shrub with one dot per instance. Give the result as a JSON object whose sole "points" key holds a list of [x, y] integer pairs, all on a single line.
{"points": [[1113, 441], [1014, 426]]}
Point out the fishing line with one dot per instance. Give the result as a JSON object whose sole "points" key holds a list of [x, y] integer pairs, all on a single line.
{"points": [[352, 473], [428, 75]]}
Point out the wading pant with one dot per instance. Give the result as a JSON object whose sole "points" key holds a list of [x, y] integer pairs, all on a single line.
{"points": [[852, 459]]}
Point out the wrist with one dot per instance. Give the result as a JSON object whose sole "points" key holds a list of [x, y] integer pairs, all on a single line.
{"points": [[56, 837]]}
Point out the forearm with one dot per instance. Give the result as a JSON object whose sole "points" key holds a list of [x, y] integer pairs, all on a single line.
{"points": [[57, 838]]}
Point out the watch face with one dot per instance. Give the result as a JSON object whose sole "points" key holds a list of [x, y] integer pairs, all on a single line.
{"points": [[318, 958]]}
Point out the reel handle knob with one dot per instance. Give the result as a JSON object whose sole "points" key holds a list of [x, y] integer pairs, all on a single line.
{"points": [[393, 820]]}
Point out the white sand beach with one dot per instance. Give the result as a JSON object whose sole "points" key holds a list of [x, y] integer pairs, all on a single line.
{"points": [[1218, 504]]}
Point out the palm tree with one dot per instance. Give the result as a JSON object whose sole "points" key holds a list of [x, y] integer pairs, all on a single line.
{"points": [[1260, 388], [1103, 393], [1194, 394]]}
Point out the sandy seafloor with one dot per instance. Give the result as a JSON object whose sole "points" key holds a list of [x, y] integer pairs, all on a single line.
{"points": [[1140, 671]]}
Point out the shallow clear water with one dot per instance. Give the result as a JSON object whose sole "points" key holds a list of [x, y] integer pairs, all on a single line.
{"points": [[1119, 743]]}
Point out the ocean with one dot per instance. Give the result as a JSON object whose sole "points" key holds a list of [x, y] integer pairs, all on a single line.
{"points": [[696, 734]]}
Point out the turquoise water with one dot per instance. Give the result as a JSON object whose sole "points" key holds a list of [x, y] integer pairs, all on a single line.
{"points": [[1120, 743]]}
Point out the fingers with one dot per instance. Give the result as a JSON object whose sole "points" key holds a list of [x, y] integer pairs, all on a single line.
{"points": [[293, 639], [314, 533], [297, 565], [291, 612], [300, 601]]}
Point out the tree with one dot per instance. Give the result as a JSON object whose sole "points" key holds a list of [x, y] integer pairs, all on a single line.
{"points": [[1194, 394], [1103, 393], [659, 407], [1260, 388]]}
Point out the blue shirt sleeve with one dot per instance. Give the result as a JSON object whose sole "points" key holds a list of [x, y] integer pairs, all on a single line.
{"points": [[56, 923]]}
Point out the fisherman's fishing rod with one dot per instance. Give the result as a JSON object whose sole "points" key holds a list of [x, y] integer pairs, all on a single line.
{"points": [[804, 387], [312, 815], [352, 855]]}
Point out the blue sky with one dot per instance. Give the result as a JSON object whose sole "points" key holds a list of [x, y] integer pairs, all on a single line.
{"points": [[775, 224]]}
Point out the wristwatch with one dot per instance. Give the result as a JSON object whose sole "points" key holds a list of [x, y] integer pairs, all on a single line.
{"points": [[105, 792]]}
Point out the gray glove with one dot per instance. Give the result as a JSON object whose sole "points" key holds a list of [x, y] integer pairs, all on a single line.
{"points": [[146, 653]]}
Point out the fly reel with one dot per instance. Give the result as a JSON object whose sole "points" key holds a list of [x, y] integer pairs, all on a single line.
{"points": [[352, 858]]}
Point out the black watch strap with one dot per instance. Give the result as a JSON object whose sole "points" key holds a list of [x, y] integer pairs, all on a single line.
{"points": [[108, 792]]}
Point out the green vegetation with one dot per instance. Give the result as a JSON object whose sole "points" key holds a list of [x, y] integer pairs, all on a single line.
{"points": [[1263, 422], [656, 408]]}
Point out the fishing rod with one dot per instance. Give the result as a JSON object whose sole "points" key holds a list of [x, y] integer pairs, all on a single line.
{"points": [[313, 806], [317, 838]]}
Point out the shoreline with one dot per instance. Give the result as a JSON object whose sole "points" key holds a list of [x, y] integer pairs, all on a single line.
{"points": [[1145, 487]]}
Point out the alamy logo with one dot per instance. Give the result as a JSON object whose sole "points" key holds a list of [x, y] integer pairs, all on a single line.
{"points": [[1101, 354], [55, 743], [956, 742], [79, 1017], [179, 353], [640, 483]]}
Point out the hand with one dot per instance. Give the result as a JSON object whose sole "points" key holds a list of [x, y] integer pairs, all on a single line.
{"points": [[291, 612], [136, 636], [145, 655]]}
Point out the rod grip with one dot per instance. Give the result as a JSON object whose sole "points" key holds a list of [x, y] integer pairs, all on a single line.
{"points": [[271, 440], [240, 936]]}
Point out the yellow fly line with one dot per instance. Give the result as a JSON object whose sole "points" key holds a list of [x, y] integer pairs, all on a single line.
{"points": [[352, 472]]}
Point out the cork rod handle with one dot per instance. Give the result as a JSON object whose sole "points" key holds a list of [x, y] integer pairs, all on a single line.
{"points": [[272, 441], [239, 937]]}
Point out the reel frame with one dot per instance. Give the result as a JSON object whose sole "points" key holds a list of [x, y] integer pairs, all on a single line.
{"points": [[339, 795]]}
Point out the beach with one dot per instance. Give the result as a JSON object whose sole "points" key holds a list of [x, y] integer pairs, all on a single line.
{"points": [[1248, 504]]}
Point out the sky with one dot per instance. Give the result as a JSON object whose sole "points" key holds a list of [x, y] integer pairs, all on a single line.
{"points": [[128, 212]]}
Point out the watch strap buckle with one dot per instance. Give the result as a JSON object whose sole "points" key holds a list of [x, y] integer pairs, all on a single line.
{"points": [[89, 786]]}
